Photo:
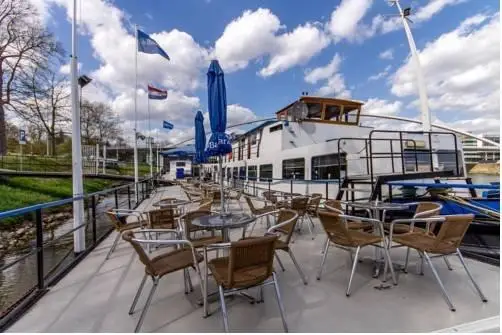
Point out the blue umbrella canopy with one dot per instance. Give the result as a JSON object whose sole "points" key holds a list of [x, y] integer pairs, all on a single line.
{"points": [[219, 142], [200, 139]]}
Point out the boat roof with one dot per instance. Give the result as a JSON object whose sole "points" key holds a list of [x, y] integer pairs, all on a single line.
{"points": [[261, 125], [317, 99]]}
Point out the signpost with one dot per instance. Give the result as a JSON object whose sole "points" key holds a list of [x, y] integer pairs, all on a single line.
{"points": [[22, 141]]}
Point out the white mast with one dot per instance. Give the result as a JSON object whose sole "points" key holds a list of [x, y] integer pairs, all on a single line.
{"points": [[76, 145], [136, 172], [422, 90]]}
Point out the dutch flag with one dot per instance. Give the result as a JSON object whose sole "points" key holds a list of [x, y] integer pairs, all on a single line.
{"points": [[156, 93]]}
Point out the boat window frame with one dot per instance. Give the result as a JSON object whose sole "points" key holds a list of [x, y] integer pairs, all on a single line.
{"points": [[253, 168], [260, 174], [290, 176], [343, 166]]}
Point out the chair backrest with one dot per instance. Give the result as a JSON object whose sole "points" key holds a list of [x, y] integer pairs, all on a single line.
{"points": [[286, 229], [256, 253], [300, 204], [335, 204], [268, 195], [252, 208], [162, 217], [427, 209], [205, 204], [114, 219], [335, 228], [452, 231], [188, 227], [143, 256], [315, 200]]}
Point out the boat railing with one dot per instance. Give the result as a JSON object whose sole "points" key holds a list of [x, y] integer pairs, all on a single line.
{"points": [[48, 257]]}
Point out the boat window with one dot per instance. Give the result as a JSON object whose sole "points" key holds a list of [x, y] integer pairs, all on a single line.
{"points": [[252, 172], [276, 128], [332, 113], [223, 172], [328, 166], [180, 164], [228, 173], [242, 172], [235, 173], [293, 168], [314, 110], [253, 139], [266, 172], [447, 161]]}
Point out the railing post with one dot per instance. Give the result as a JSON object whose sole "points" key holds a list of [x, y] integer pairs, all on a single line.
{"points": [[269, 186], [129, 196], [254, 188], [326, 190], [116, 199], [291, 187], [93, 205], [40, 248]]}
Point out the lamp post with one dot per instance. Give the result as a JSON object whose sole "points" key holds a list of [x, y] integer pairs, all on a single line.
{"points": [[83, 80]]}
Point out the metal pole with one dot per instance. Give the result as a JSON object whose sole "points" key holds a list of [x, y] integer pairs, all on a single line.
{"points": [[422, 90], [76, 144], [104, 158], [136, 172], [220, 163], [40, 249], [21, 155], [149, 137], [97, 158]]}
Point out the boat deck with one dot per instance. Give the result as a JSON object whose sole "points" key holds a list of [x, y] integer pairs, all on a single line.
{"points": [[96, 296]]}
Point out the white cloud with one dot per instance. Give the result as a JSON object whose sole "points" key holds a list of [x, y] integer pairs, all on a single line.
{"points": [[377, 106], [323, 72], [257, 34], [461, 68], [480, 125], [380, 75], [344, 21], [387, 54], [334, 82]]}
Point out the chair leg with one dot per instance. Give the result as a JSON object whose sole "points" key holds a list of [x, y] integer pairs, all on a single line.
{"points": [[311, 226], [260, 300], [189, 280], [113, 245], [420, 265], [279, 302], [223, 309], [185, 281], [297, 267], [388, 264], [324, 245], [147, 305], [240, 205], [323, 260], [279, 261], [448, 265], [138, 294], [354, 265], [443, 290], [405, 269], [481, 295]]}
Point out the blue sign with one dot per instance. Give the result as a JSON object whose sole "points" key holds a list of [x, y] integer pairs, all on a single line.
{"points": [[167, 125], [22, 136]]}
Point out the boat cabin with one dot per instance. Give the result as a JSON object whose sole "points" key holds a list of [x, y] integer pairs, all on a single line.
{"points": [[322, 110]]}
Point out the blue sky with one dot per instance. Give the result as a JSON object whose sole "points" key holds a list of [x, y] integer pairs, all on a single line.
{"points": [[269, 48]]}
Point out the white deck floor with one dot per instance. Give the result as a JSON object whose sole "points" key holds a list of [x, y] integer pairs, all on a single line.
{"points": [[96, 295]]}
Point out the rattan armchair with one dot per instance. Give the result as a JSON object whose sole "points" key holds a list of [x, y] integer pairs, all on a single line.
{"points": [[301, 205], [234, 195], [249, 264], [190, 230], [181, 258], [446, 242], [163, 218], [258, 212], [118, 217], [284, 228], [337, 228], [315, 201]]}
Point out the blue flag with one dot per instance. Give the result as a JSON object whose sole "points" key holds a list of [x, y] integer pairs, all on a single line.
{"points": [[167, 125], [148, 45]]}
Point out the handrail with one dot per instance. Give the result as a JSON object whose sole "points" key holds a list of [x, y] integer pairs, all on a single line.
{"points": [[441, 185], [55, 203]]}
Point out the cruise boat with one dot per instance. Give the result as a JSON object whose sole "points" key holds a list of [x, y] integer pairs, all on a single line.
{"points": [[315, 143]]}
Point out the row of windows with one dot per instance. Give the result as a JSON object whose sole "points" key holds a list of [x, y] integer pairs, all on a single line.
{"points": [[323, 167]]}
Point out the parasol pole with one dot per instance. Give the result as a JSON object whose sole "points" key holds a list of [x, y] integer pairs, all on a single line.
{"points": [[220, 164]]}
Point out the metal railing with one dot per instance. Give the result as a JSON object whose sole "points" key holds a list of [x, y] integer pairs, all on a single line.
{"points": [[44, 259]]}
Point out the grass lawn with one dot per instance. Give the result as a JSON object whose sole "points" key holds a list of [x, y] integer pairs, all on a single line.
{"points": [[17, 192]]}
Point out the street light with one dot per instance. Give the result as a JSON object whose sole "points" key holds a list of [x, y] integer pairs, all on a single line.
{"points": [[83, 80]]}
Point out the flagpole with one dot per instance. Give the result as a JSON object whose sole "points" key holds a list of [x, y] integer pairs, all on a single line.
{"points": [[150, 138], [136, 172]]}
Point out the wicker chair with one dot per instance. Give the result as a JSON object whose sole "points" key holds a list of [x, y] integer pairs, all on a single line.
{"points": [[446, 242], [258, 212], [190, 230], [337, 228], [284, 228], [118, 217], [182, 258], [301, 205], [163, 218], [249, 264], [315, 201], [236, 196]]}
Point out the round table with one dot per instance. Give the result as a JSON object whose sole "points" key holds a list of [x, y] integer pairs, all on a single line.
{"points": [[223, 222], [376, 207], [170, 203]]}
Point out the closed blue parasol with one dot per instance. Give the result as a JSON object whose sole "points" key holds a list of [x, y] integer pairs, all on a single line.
{"points": [[219, 142], [200, 139]]}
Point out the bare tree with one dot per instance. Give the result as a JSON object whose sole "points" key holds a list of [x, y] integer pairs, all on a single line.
{"points": [[42, 98], [98, 122], [23, 41]]}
